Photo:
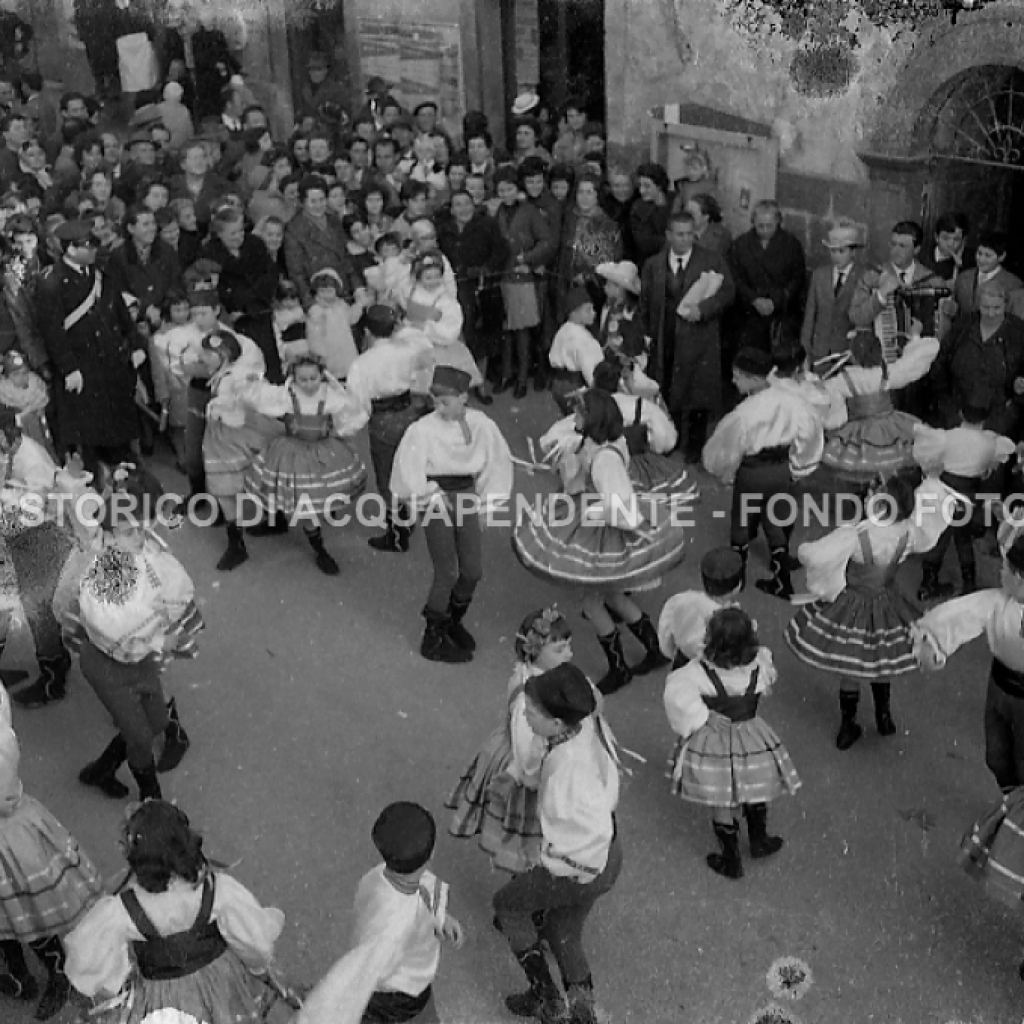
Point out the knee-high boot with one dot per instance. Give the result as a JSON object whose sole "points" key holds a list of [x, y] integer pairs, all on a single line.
{"points": [[880, 693], [235, 553], [727, 863], [849, 730], [643, 629], [102, 773], [17, 982], [457, 632], [761, 844], [176, 741], [51, 951], [148, 783], [543, 1001], [618, 674], [580, 995]]}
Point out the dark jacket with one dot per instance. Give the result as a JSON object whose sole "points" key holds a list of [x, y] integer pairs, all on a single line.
{"points": [[582, 250], [308, 248], [478, 250], [647, 226], [247, 281], [527, 233], [149, 282]]}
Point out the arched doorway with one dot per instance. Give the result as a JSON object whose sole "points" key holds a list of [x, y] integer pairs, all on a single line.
{"points": [[975, 132]]}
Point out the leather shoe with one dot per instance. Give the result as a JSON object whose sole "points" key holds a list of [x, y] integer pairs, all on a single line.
{"points": [[520, 391], [503, 385], [483, 397]]}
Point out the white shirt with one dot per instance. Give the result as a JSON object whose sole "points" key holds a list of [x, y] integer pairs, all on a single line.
{"points": [[993, 612], [679, 263], [839, 276], [683, 623], [391, 367], [575, 348], [967, 450]]}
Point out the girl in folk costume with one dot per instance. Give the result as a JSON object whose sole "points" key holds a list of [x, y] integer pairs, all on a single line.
{"points": [[330, 320], [727, 757], [234, 435], [858, 624], [25, 391], [620, 327], [312, 467], [609, 547], [575, 352], [131, 612], [580, 856], [450, 463], [431, 307], [180, 941], [47, 883], [496, 798]]}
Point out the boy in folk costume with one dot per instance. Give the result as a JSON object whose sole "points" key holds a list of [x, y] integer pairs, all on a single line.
{"points": [[401, 917], [575, 352], [452, 455], [682, 627], [580, 854], [769, 440], [381, 382]]}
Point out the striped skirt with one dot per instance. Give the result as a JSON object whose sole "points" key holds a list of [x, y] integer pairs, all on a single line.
{"points": [[863, 634], [489, 803], [651, 473], [726, 764], [229, 451], [47, 883], [993, 851], [863, 448], [307, 475], [557, 546]]}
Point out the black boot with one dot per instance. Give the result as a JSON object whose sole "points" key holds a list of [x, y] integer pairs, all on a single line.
{"points": [[275, 523], [779, 583], [643, 629], [581, 1002], [543, 1001], [618, 674], [17, 982], [50, 687], [761, 844], [457, 632], [437, 645], [324, 562], [176, 741], [148, 783], [388, 541], [51, 951], [931, 589], [102, 773], [728, 862], [742, 550], [849, 730], [880, 692], [235, 554]]}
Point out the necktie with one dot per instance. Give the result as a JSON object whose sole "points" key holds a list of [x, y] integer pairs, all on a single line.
{"points": [[840, 279], [678, 268]]}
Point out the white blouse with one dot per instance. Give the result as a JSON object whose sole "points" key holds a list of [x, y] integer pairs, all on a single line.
{"points": [[575, 348]]}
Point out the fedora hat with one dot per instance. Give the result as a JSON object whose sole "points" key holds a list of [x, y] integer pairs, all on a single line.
{"points": [[841, 236], [526, 102], [624, 274]]}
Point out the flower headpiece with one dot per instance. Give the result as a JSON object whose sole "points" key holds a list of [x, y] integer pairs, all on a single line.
{"points": [[538, 633]]}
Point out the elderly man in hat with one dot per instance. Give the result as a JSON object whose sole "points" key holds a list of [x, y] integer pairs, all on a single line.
{"points": [[92, 342], [827, 320]]}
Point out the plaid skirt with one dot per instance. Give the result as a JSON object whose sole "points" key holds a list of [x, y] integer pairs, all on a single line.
{"points": [[726, 764], [47, 883], [993, 851], [489, 803], [862, 634], [229, 451], [318, 474], [862, 448]]}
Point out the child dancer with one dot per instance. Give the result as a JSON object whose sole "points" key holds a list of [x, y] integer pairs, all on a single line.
{"points": [[170, 390], [312, 469], [401, 918], [621, 328], [180, 942], [381, 382], [496, 798], [609, 547], [683, 624], [329, 322], [135, 612], [727, 757], [580, 854], [575, 352], [47, 883], [771, 439], [964, 457], [858, 625], [25, 391]]}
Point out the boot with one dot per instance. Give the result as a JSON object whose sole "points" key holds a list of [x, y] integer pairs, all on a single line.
{"points": [[880, 692], [235, 554], [543, 1001], [389, 540], [276, 522], [643, 629], [618, 674], [457, 632], [727, 863], [581, 1002], [50, 687], [931, 589], [148, 783], [968, 581], [779, 584], [17, 982], [51, 951], [437, 645], [102, 773], [176, 741], [849, 730], [324, 562], [761, 844], [742, 550]]}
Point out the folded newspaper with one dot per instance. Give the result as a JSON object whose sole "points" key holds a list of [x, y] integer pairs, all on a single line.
{"points": [[705, 287]]}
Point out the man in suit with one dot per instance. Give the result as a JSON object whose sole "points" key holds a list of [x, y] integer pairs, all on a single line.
{"points": [[988, 269], [770, 272], [685, 357], [827, 315]]}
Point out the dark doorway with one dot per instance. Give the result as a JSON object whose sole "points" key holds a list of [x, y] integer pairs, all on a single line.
{"points": [[572, 54]]}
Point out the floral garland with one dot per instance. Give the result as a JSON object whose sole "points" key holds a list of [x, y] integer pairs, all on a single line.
{"points": [[538, 634]]}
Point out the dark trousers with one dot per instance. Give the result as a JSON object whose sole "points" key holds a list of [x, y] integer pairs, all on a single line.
{"points": [[397, 1008], [1004, 735], [134, 697], [386, 430], [692, 425], [38, 556], [961, 535], [756, 484], [565, 904], [455, 551], [261, 329], [109, 454], [195, 429]]}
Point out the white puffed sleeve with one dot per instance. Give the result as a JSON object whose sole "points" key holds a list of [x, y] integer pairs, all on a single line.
{"points": [[447, 330], [98, 963], [250, 929], [952, 624], [409, 471], [684, 704], [914, 363], [825, 561]]}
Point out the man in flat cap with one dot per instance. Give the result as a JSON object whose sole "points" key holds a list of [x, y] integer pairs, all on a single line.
{"points": [[91, 341]]}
